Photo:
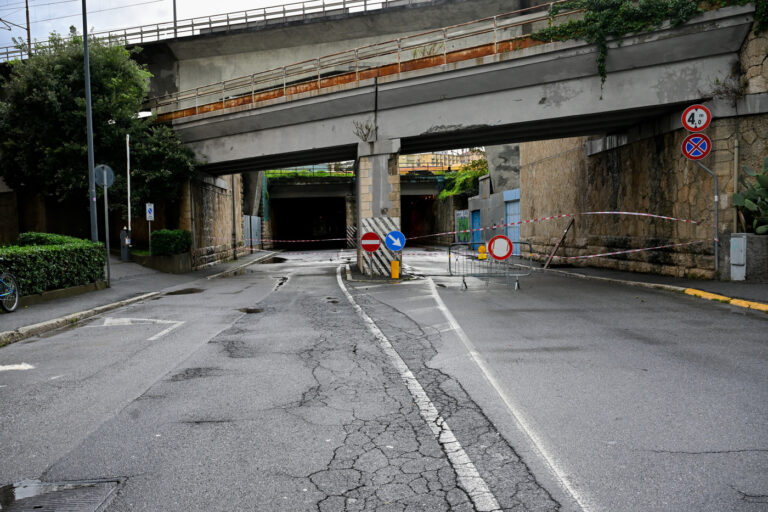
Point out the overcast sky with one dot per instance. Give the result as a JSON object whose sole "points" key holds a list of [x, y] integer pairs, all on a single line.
{"points": [[48, 15]]}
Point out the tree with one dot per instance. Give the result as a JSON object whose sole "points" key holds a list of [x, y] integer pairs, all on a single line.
{"points": [[43, 144]]}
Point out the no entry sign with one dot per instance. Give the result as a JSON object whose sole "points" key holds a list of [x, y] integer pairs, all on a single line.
{"points": [[696, 146], [370, 241], [500, 247], [696, 118]]}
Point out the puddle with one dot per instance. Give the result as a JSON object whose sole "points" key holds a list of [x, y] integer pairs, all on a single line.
{"points": [[88, 495], [185, 291], [270, 261], [332, 300], [251, 310], [281, 281], [195, 373]]}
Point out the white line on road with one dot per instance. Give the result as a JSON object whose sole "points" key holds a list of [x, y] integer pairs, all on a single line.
{"points": [[516, 413], [165, 331], [466, 472], [112, 322], [22, 366]]}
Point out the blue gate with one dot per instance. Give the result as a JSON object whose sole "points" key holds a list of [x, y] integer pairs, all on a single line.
{"points": [[512, 207], [477, 236]]}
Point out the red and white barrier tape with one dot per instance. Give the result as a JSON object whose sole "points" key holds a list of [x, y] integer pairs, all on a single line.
{"points": [[628, 251]]}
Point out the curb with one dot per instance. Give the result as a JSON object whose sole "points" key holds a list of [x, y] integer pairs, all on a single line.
{"points": [[235, 270], [747, 304], [8, 337]]}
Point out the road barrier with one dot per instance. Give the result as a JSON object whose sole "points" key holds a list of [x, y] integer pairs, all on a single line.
{"points": [[463, 261]]}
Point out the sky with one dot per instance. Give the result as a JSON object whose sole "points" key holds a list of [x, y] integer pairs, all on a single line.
{"points": [[104, 15]]}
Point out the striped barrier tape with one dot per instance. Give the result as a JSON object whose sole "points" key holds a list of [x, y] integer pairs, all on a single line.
{"points": [[628, 251]]}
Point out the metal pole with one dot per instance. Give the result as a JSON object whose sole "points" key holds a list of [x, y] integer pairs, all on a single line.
{"points": [[175, 34], [106, 222], [89, 123], [29, 31], [717, 205], [234, 225], [128, 176]]}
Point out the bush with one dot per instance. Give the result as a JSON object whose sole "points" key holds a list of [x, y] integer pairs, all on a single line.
{"points": [[40, 265], [170, 241]]}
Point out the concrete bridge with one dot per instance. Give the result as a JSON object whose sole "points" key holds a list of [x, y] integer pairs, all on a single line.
{"points": [[478, 83]]}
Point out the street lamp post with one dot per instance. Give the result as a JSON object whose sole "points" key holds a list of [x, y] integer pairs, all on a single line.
{"points": [[89, 123]]}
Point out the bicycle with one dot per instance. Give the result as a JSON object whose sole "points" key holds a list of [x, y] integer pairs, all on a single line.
{"points": [[9, 291]]}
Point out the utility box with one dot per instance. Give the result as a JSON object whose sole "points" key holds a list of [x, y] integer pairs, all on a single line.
{"points": [[738, 256]]}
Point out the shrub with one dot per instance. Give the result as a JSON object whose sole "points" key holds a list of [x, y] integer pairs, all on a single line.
{"points": [[753, 202], [170, 241], [40, 265]]}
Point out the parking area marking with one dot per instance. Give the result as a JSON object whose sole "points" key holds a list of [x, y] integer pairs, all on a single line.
{"points": [[466, 472], [21, 366]]}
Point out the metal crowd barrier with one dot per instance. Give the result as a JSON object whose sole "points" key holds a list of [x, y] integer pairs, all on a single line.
{"points": [[463, 261]]}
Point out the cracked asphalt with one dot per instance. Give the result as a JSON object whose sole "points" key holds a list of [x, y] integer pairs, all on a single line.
{"points": [[275, 395]]}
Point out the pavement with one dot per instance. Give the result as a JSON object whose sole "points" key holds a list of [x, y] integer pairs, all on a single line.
{"points": [[131, 283]]}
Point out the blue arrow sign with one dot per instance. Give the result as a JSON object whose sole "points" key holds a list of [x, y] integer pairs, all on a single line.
{"points": [[395, 241]]}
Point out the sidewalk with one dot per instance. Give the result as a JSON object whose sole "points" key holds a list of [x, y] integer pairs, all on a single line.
{"points": [[128, 281]]}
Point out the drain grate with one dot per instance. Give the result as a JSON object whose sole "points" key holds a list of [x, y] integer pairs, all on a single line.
{"points": [[37, 496]]}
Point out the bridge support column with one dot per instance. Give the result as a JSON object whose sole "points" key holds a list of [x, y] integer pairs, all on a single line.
{"points": [[378, 201]]}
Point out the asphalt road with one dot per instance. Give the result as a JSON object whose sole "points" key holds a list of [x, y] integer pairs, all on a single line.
{"points": [[290, 388]]}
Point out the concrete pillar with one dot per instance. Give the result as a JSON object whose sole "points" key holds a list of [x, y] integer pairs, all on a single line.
{"points": [[378, 201], [504, 166], [351, 214]]}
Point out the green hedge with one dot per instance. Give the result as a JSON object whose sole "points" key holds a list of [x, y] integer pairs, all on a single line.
{"points": [[39, 265], [170, 241]]}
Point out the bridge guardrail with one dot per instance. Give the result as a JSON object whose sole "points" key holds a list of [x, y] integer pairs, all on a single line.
{"points": [[225, 22], [438, 47]]}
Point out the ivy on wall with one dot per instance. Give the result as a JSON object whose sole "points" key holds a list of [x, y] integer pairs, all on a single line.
{"points": [[613, 19]]}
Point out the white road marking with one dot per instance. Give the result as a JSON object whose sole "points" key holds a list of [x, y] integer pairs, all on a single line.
{"points": [[3, 385], [111, 322], [466, 472], [513, 409], [22, 366], [56, 377]]}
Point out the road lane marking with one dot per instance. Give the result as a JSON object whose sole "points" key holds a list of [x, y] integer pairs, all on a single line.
{"points": [[514, 411], [466, 472], [112, 322], [22, 366]]}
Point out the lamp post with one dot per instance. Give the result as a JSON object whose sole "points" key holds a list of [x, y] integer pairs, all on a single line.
{"points": [[89, 123]]}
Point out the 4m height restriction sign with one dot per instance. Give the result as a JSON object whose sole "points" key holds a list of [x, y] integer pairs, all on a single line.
{"points": [[696, 118]]}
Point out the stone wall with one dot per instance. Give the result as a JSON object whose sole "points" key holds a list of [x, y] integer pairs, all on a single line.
{"points": [[445, 219]]}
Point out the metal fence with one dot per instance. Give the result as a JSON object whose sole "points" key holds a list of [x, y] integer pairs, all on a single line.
{"points": [[463, 261]]}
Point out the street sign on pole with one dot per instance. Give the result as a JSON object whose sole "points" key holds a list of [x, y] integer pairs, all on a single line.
{"points": [[150, 212], [395, 241], [696, 118], [500, 247], [104, 175], [370, 241], [696, 146]]}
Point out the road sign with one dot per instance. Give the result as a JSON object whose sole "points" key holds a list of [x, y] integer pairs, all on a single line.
{"points": [[696, 118], [104, 175], [150, 212], [370, 241], [696, 146], [500, 247], [395, 241]]}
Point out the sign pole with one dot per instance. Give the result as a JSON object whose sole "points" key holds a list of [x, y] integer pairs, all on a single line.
{"points": [[106, 222], [717, 204], [128, 176]]}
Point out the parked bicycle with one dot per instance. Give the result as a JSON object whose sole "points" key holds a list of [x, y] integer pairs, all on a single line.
{"points": [[9, 291]]}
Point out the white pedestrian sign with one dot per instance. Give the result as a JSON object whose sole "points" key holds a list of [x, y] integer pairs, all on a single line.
{"points": [[150, 212]]}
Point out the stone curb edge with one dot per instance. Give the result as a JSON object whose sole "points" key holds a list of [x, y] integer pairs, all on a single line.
{"points": [[235, 270], [757, 306], [8, 337]]}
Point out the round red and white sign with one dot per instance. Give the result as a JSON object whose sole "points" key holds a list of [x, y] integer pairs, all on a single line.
{"points": [[696, 146], [370, 241], [696, 118], [500, 247]]}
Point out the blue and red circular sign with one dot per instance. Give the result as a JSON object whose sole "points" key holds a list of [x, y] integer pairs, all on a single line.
{"points": [[696, 146]]}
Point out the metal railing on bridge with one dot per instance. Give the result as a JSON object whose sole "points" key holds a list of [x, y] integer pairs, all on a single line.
{"points": [[263, 16], [435, 48]]}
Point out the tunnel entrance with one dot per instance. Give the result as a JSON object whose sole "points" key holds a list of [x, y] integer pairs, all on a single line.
{"points": [[310, 218], [418, 215]]}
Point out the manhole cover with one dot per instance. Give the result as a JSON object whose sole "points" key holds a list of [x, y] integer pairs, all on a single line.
{"points": [[37, 496], [185, 291]]}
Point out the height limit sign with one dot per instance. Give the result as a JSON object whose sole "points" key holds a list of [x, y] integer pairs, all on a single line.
{"points": [[695, 119]]}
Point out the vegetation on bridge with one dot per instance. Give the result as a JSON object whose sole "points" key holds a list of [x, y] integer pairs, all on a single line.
{"points": [[43, 146], [606, 19]]}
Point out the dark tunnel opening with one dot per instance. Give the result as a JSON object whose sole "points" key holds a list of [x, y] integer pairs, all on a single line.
{"points": [[312, 218]]}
